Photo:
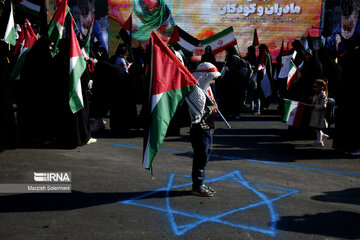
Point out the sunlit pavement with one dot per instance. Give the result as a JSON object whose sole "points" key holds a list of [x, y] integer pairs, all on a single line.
{"points": [[268, 186]]}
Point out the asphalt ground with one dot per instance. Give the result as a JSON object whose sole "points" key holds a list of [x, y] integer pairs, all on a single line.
{"points": [[268, 186]]}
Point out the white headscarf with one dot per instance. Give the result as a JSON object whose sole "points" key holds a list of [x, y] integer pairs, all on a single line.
{"points": [[204, 74]]}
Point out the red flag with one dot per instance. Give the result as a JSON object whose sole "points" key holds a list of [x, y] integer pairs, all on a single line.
{"points": [[125, 31], [256, 39]]}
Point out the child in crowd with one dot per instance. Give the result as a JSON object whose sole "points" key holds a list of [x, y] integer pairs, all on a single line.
{"points": [[317, 120], [201, 111]]}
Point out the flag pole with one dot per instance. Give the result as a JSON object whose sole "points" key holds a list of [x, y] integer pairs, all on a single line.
{"points": [[217, 110], [76, 24]]}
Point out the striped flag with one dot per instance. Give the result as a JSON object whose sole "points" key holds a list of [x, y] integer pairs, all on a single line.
{"points": [[293, 73], [185, 41], [8, 16], [293, 112], [220, 41], [170, 83], [28, 41], [77, 68], [31, 7], [56, 26]]}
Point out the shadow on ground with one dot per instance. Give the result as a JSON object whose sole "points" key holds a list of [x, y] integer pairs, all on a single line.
{"points": [[34, 202], [340, 224], [348, 196]]}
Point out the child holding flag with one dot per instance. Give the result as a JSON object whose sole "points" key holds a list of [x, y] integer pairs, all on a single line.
{"points": [[317, 119], [201, 111]]}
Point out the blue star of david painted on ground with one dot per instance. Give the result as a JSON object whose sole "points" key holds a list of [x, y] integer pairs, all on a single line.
{"points": [[234, 176]]}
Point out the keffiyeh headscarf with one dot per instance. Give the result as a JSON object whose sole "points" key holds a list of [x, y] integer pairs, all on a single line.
{"points": [[196, 100]]}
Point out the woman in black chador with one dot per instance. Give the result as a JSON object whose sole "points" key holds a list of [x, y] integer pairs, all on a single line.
{"points": [[73, 128], [113, 91], [36, 96]]}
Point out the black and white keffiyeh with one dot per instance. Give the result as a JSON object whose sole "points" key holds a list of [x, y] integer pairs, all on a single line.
{"points": [[196, 100]]}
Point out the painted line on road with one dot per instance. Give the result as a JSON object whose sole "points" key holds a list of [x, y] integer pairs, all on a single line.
{"points": [[261, 201], [250, 160], [263, 122]]}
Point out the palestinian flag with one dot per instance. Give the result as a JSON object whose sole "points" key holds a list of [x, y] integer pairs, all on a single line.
{"points": [[293, 112], [293, 74], [170, 83], [77, 68], [185, 41], [29, 40], [126, 31], [20, 41], [255, 39], [88, 36], [220, 41], [167, 27], [56, 26], [31, 7], [8, 17]]}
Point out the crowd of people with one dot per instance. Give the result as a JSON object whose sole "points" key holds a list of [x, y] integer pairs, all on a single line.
{"points": [[34, 110]]}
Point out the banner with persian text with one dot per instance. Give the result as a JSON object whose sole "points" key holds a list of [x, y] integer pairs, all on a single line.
{"points": [[275, 20]]}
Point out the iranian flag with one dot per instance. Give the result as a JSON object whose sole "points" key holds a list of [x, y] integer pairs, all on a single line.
{"points": [[77, 68], [220, 41], [293, 73], [10, 35], [185, 41], [170, 83], [293, 112], [56, 26], [27, 43]]}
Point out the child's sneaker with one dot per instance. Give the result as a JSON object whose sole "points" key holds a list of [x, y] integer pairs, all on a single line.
{"points": [[203, 192], [209, 188]]}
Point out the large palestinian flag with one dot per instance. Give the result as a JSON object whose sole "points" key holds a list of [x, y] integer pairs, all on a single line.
{"points": [[170, 83], [56, 26], [77, 68], [27, 42]]}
